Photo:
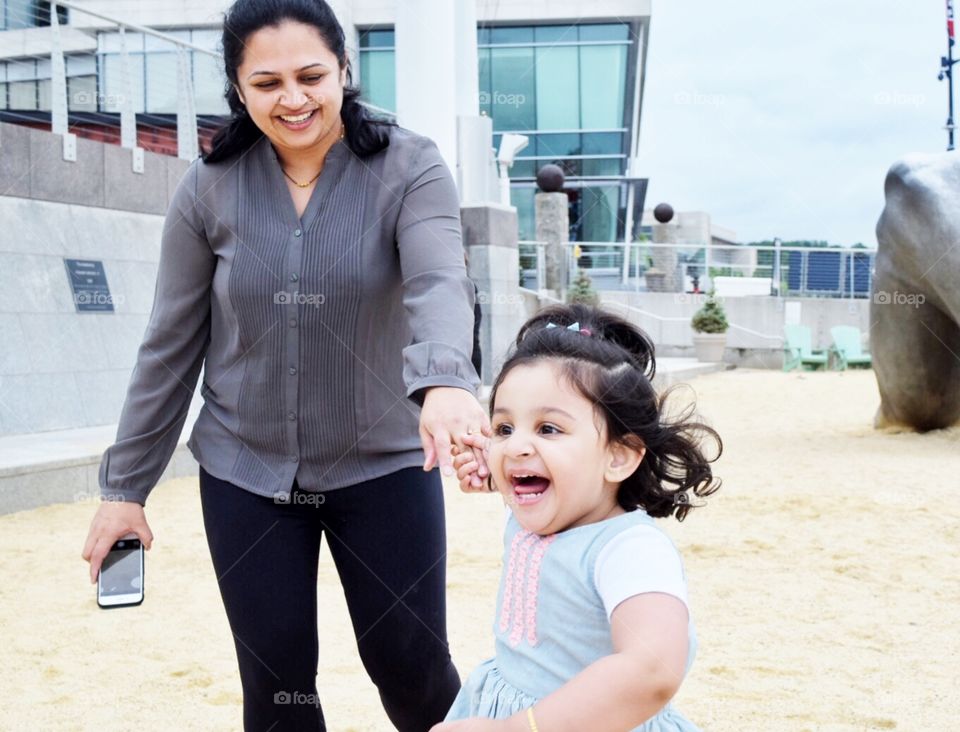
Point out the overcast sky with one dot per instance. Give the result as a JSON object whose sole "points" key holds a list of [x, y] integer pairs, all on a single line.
{"points": [[782, 118]]}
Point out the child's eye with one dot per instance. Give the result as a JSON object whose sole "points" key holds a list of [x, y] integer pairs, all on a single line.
{"points": [[502, 429], [550, 429]]}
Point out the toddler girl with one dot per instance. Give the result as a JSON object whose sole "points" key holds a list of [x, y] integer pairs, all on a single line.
{"points": [[593, 631]]}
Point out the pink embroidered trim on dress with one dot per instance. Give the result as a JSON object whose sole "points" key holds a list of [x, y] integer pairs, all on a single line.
{"points": [[533, 588], [508, 582], [518, 607]]}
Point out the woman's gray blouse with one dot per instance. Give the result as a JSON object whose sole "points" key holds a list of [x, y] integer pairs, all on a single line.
{"points": [[317, 335]]}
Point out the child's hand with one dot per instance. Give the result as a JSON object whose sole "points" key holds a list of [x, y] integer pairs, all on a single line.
{"points": [[467, 465]]}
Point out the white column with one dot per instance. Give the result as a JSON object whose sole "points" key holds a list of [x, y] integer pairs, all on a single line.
{"points": [[468, 71], [427, 71]]}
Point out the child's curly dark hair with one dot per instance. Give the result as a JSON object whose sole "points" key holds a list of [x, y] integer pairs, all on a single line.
{"points": [[612, 365]]}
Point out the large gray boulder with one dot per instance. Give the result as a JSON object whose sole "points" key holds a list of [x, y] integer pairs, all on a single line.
{"points": [[915, 310]]}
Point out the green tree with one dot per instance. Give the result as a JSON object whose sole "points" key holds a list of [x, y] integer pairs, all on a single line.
{"points": [[581, 291], [711, 317]]}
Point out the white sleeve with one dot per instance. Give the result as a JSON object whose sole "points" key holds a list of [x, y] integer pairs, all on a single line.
{"points": [[639, 560]]}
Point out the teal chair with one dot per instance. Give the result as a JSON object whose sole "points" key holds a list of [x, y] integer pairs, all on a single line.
{"points": [[797, 349], [846, 346]]}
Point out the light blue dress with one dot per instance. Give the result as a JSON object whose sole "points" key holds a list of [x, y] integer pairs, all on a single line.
{"points": [[551, 623]]}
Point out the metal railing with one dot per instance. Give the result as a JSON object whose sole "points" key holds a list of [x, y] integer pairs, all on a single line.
{"points": [[102, 77], [698, 267]]}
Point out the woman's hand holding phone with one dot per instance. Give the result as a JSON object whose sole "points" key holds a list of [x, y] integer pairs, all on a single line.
{"points": [[113, 520]]}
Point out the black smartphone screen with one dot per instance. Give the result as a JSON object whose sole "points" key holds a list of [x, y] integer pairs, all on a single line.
{"points": [[120, 572]]}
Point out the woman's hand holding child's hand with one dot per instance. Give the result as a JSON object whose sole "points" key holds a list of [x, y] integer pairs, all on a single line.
{"points": [[467, 465]]}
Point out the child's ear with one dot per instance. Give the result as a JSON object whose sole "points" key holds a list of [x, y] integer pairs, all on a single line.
{"points": [[623, 459]]}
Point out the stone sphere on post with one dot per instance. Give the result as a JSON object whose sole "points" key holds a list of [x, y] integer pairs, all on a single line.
{"points": [[663, 213], [550, 178]]}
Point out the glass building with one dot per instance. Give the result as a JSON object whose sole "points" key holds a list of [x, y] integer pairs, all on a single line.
{"points": [[573, 88], [570, 89]]}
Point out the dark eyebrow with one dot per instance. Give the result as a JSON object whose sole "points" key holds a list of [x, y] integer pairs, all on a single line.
{"points": [[542, 410], [302, 68]]}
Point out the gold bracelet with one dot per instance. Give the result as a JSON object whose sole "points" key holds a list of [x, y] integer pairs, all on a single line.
{"points": [[531, 721]]}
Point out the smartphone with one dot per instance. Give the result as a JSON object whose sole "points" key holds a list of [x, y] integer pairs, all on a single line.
{"points": [[120, 582]]}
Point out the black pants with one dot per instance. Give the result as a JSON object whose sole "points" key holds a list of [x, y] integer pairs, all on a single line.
{"points": [[388, 542]]}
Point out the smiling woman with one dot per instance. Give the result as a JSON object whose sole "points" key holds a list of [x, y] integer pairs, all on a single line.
{"points": [[303, 263]]}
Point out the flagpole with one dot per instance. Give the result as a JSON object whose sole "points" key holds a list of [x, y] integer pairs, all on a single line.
{"points": [[946, 70]]}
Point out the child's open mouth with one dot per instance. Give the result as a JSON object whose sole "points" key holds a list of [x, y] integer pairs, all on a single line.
{"points": [[528, 487]]}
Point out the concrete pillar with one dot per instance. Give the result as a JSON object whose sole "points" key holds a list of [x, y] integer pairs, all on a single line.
{"points": [[490, 234], [665, 257], [553, 229]]}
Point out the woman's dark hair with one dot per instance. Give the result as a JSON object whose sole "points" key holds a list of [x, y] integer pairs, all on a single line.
{"points": [[366, 134], [612, 365]]}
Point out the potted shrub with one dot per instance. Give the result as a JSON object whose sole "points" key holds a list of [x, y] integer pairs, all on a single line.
{"points": [[581, 291], [710, 330]]}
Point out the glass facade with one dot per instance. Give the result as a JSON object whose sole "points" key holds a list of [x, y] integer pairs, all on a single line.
{"points": [[95, 80], [153, 69], [567, 88], [378, 75], [16, 14]]}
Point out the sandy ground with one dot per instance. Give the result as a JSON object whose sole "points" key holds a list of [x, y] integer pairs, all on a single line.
{"points": [[825, 583]]}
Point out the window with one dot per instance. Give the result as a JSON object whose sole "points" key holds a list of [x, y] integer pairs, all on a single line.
{"points": [[22, 85], [16, 14], [378, 79], [558, 88], [378, 64], [512, 89], [598, 214], [509, 34], [155, 72], [372, 38], [112, 84], [602, 86], [557, 146], [555, 34], [604, 32], [602, 143]]}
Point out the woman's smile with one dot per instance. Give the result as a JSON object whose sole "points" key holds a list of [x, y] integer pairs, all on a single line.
{"points": [[298, 122]]}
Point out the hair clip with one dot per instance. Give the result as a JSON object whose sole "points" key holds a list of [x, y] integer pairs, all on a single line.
{"points": [[574, 327]]}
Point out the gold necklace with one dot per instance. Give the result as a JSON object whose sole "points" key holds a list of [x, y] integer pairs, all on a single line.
{"points": [[297, 183]]}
